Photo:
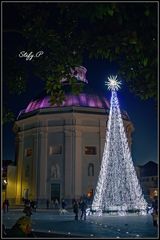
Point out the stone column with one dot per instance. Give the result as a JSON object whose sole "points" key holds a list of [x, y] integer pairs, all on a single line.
{"points": [[68, 164], [78, 164], [35, 165], [19, 161], [42, 168]]}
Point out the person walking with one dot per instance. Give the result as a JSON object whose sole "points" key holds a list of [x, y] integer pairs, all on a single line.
{"points": [[47, 203], [33, 205], [63, 204], [75, 209], [28, 210], [56, 203], [155, 218], [83, 207], [7, 204], [4, 206], [155, 212]]}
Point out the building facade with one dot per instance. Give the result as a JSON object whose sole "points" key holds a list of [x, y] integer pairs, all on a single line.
{"points": [[59, 148], [148, 177], [8, 179]]}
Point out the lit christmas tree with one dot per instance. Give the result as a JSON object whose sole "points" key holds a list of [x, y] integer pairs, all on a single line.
{"points": [[118, 188]]}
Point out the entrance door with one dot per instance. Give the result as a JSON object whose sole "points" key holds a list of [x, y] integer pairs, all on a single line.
{"points": [[55, 191]]}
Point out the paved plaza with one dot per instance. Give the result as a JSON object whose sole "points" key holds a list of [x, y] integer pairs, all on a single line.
{"points": [[50, 221]]}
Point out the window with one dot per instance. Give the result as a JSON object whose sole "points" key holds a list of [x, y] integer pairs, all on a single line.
{"points": [[90, 169], [55, 149], [90, 150], [28, 152]]}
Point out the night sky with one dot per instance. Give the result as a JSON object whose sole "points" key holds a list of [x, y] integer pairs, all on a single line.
{"points": [[143, 114]]}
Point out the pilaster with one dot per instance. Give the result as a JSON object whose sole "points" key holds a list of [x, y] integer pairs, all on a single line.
{"points": [[42, 171], [35, 165], [78, 164], [69, 162], [19, 168]]}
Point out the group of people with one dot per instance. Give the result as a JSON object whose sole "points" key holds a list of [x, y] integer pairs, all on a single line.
{"points": [[29, 206], [55, 204], [32, 203], [82, 206], [77, 206]]}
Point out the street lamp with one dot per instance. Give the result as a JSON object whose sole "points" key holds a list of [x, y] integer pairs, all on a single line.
{"points": [[5, 187], [5, 182]]}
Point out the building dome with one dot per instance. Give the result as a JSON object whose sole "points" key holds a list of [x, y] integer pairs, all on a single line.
{"points": [[86, 98]]}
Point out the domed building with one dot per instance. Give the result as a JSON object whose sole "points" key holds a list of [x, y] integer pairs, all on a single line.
{"points": [[59, 148]]}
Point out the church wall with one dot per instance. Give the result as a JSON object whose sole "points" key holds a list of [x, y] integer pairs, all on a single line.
{"points": [[90, 139], [58, 122], [58, 156], [27, 171], [42, 166], [55, 162], [11, 185], [69, 160]]}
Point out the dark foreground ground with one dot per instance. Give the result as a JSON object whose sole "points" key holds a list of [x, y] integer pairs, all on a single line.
{"points": [[48, 223], [49, 235]]}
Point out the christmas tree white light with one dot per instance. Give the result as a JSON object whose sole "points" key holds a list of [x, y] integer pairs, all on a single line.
{"points": [[118, 188]]}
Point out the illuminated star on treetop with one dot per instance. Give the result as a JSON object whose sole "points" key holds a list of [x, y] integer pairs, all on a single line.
{"points": [[113, 83]]}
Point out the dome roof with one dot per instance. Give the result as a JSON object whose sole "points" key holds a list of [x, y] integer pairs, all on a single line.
{"points": [[82, 100], [87, 98]]}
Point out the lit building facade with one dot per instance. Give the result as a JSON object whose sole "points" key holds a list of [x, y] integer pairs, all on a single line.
{"points": [[148, 177], [59, 149]]}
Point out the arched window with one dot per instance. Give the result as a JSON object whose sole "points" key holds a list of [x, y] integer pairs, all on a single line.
{"points": [[90, 169]]}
